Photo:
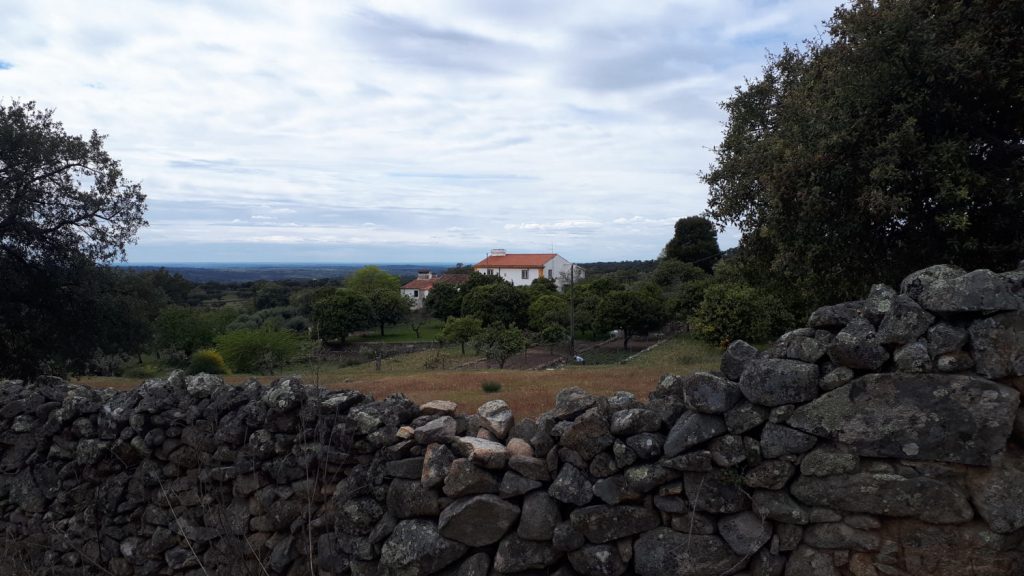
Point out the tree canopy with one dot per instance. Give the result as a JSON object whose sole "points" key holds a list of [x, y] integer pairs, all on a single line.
{"points": [[65, 205], [695, 242], [337, 315], [369, 279], [444, 300], [632, 311], [63, 197], [499, 302], [894, 141]]}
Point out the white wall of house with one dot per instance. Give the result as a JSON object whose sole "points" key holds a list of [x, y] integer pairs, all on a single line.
{"points": [[517, 276], [556, 269], [417, 296]]}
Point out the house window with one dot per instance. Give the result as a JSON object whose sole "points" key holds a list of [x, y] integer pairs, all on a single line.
{"points": [[526, 274], [415, 293], [490, 271]]}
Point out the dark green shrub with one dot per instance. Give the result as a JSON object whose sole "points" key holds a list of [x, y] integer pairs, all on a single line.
{"points": [[259, 350], [734, 311], [207, 360], [490, 386]]}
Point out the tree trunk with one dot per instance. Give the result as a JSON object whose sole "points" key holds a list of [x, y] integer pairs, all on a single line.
{"points": [[625, 339], [382, 329], [463, 347]]}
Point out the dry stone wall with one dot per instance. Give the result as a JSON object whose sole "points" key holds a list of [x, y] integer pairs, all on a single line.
{"points": [[882, 439]]}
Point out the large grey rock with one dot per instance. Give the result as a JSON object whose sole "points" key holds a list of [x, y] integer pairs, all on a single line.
{"points": [[487, 453], [799, 344], [698, 461], [588, 434], [573, 401], [477, 520], [997, 344], [857, 346], [728, 450], [745, 532], [779, 440], [571, 486], [438, 430], [913, 357], [496, 416], [886, 494], [646, 445], [708, 393], [735, 359], [828, 460], [977, 291], [663, 552], [634, 421], [905, 322], [600, 523], [465, 479], [416, 548], [437, 459], [539, 518], [691, 429], [598, 560], [945, 338], [916, 282], [745, 416], [438, 407], [774, 382], [517, 555], [998, 492], [949, 418], [648, 477], [836, 315]]}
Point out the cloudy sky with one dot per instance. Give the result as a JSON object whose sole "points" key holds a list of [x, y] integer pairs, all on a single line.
{"points": [[400, 130]]}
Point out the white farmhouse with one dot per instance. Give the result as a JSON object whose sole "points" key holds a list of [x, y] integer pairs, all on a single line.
{"points": [[523, 269], [418, 289]]}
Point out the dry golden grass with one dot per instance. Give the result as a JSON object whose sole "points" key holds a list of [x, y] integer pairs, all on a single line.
{"points": [[528, 392]]}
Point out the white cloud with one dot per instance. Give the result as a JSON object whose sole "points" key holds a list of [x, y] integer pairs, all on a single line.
{"points": [[450, 124]]}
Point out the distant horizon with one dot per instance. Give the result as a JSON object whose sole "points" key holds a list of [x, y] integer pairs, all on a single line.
{"points": [[287, 264], [325, 263]]}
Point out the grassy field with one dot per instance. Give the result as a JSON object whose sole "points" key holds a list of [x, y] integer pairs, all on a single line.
{"points": [[529, 392]]}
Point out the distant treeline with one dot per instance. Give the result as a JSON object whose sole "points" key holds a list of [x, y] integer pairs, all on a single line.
{"points": [[234, 273]]}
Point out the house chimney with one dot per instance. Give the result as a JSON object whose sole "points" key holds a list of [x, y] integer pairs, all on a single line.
{"points": [[497, 252], [424, 275]]}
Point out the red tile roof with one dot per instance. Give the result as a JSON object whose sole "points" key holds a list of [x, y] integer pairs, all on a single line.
{"points": [[420, 284], [515, 261], [428, 283], [453, 278]]}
